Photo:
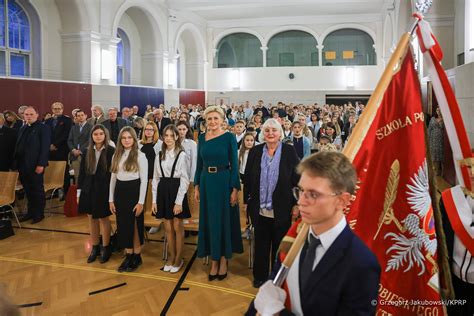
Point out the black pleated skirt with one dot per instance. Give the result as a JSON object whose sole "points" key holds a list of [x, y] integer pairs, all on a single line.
{"points": [[166, 196], [126, 196]]}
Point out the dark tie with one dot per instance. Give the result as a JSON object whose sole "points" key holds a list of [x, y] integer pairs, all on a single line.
{"points": [[55, 122], [95, 122], [306, 267]]}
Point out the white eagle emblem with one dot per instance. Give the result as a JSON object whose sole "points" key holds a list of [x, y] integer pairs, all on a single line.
{"points": [[409, 249]]}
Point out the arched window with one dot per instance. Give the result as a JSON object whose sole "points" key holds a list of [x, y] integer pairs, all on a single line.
{"points": [[15, 47], [348, 47], [239, 50], [123, 58], [292, 48]]}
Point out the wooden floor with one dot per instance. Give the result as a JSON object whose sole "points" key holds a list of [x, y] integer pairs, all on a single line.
{"points": [[46, 263]]}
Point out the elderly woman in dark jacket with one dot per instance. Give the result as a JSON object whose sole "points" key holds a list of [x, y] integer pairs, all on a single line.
{"points": [[269, 177]]}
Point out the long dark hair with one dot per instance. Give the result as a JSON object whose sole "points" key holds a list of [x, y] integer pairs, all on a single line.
{"points": [[177, 146], [131, 164], [242, 146], [189, 134], [90, 157]]}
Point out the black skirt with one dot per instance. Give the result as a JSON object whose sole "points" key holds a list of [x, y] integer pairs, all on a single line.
{"points": [[126, 196], [95, 201], [166, 196]]}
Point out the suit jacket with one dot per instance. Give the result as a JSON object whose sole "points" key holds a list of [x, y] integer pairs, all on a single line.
{"points": [[101, 178], [164, 121], [18, 125], [79, 139], [36, 147], [91, 120], [306, 146], [7, 147], [121, 124], [346, 131], [345, 281], [59, 135], [283, 199]]}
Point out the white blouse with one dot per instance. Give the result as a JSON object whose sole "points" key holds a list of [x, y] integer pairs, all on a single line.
{"points": [[243, 163], [123, 175], [180, 172], [190, 148]]}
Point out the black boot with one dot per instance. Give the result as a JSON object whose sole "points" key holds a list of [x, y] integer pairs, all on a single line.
{"points": [[135, 263], [94, 253], [126, 262], [106, 253]]}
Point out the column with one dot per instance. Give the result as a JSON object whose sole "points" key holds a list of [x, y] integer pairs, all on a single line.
{"points": [[264, 55]]}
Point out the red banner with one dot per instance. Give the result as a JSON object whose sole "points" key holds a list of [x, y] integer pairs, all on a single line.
{"points": [[392, 211]]}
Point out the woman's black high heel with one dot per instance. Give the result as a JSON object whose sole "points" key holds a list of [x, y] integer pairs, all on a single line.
{"points": [[221, 277]]}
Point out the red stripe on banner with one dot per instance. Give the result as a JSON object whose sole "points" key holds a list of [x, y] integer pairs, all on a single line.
{"points": [[455, 221], [457, 118]]}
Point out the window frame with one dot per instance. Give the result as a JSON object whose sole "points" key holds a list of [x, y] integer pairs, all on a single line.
{"points": [[9, 51], [280, 54]]}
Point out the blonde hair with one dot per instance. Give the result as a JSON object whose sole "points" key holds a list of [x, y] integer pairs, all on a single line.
{"points": [[214, 108], [156, 133], [131, 164]]}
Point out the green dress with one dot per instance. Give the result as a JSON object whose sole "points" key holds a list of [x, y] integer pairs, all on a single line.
{"points": [[219, 223]]}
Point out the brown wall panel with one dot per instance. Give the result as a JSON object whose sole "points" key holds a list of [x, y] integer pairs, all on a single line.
{"points": [[41, 94], [192, 97]]}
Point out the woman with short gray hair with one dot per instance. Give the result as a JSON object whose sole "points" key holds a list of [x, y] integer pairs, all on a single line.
{"points": [[269, 177]]}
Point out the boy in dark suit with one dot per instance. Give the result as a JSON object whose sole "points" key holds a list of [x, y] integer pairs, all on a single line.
{"points": [[335, 273], [31, 157]]}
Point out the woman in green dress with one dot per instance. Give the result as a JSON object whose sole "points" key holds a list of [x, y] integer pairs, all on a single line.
{"points": [[216, 188]]}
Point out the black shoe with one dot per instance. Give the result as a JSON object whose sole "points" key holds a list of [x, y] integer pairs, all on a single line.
{"points": [[37, 220], [257, 283], [212, 277], [105, 254], [221, 277], [25, 218], [135, 262], [125, 263], [95, 252]]}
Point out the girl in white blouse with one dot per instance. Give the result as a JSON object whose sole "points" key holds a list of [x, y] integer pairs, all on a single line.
{"points": [[128, 185], [169, 186], [189, 146]]}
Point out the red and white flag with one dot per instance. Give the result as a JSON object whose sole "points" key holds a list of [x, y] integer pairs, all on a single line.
{"points": [[448, 105], [392, 212], [457, 209]]}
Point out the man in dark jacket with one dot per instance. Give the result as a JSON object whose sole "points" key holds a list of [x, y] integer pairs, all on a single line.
{"points": [[31, 158], [60, 127], [160, 121], [114, 124], [7, 144], [78, 141]]}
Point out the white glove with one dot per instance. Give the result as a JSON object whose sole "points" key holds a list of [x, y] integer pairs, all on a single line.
{"points": [[270, 299]]}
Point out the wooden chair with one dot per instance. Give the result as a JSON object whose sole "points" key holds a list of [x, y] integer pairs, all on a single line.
{"points": [[8, 182], [54, 177]]}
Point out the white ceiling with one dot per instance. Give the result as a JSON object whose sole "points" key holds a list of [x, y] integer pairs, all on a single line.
{"points": [[221, 10]]}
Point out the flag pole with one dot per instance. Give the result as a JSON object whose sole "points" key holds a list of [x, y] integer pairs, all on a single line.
{"points": [[360, 130]]}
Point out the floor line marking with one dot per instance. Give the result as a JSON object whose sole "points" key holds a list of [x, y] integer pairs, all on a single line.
{"points": [[131, 274]]}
